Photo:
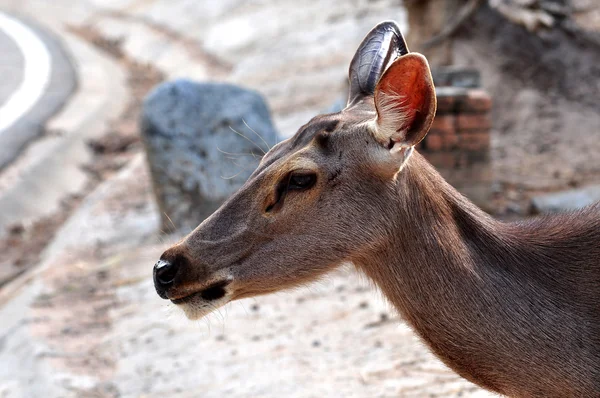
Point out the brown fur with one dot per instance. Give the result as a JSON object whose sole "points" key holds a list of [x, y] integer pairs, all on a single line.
{"points": [[511, 307], [514, 308]]}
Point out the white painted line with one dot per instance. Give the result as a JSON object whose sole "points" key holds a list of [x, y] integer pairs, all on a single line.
{"points": [[36, 73]]}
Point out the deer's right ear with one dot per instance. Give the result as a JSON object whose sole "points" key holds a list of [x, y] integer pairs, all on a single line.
{"points": [[406, 103], [382, 45]]}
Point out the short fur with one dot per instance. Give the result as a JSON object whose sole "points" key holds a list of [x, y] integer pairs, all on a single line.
{"points": [[512, 307]]}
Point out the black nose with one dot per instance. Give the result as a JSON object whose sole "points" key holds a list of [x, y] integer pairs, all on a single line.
{"points": [[164, 274]]}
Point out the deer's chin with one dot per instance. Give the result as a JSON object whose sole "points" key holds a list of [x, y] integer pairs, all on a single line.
{"points": [[195, 307]]}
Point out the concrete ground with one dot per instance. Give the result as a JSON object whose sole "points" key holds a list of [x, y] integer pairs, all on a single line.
{"points": [[85, 321], [89, 323]]}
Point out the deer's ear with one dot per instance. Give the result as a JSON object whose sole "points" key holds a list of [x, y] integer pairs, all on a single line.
{"points": [[382, 45], [405, 102]]}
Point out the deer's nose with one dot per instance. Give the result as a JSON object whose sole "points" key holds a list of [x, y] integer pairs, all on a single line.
{"points": [[165, 272]]}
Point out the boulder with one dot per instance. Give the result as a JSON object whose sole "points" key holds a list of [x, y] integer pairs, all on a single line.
{"points": [[203, 140]]}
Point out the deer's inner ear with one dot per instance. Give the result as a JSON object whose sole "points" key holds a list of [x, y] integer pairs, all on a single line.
{"points": [[405, 102]]}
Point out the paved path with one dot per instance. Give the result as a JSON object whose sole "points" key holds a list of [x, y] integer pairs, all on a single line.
{"points": [[37, 78], [11, 67]]}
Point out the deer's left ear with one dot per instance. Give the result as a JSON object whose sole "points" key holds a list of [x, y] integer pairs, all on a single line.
{"points": [[406, 103]]}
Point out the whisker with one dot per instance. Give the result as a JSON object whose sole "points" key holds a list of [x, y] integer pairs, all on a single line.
{"points": [[217, 310], [233, 176], [259, 136], [168, 231], [214, 312], [207, 322], [244, 166], [237, 154], [160, 238], [171, 221], [244, 308], [241, 165], [163, 235], [248, 139]]}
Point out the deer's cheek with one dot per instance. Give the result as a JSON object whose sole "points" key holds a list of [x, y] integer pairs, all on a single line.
{"points": [[295, 205]]}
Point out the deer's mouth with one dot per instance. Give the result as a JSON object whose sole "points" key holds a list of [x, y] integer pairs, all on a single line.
{"points": [[213, 292]]}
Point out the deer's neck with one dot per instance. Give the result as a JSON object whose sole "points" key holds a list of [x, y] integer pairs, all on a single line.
{"points": [[437, 266], [435, 238], [490, 299]]}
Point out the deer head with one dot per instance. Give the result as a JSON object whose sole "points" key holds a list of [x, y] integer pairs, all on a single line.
{"points": [[318, 199]]}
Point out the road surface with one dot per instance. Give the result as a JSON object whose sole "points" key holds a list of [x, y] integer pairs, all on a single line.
{"points": [[36, 78]]}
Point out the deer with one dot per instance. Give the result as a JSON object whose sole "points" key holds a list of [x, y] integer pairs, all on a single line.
{"points": [[513, 307]]}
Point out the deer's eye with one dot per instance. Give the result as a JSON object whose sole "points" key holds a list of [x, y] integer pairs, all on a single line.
{"points": [[300, 182], [294, 182]]}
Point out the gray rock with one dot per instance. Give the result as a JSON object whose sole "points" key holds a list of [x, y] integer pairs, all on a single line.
{"points": [[566, 200], [457, 76], [194, 137]]}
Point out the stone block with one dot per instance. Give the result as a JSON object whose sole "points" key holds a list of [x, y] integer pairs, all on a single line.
{"points": [[467, 122], [447, 98], [202, 143], [444, 125], [476, 101], [457, 77], [475, 141]]}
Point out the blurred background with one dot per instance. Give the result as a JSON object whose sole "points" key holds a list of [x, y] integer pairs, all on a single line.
{"points": [[123, 123]]}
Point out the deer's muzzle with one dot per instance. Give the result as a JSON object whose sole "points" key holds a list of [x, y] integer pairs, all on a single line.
{"points": [[164, 276], [190, 284]]}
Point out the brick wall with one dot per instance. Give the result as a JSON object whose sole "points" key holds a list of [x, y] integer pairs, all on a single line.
{"points": [[458, 144]]}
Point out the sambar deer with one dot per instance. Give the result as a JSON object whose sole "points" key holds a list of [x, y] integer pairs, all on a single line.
{"points": [[512, 307]]}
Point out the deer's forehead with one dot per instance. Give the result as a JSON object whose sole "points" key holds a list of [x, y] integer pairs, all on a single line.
{"points": [[318, 125], [335, 125], [308, 144]]}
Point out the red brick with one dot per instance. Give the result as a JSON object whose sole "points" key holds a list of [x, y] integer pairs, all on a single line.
{"points": [[475, 141], [478, 157], [434, 142], [476, 101], [449, 97], [445, 104], [444, 125], [450, 141], [441, 160], [473, 122], [472, 160]]}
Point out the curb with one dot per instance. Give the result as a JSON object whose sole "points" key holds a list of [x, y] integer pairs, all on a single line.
{"points": [[60, 84], [50, 168]]}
